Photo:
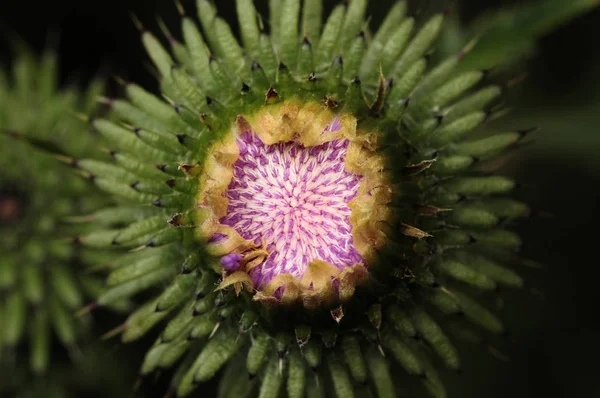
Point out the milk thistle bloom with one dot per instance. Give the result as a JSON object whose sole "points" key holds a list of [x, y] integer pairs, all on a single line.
{"points": [[40, 286], [309, 200]]}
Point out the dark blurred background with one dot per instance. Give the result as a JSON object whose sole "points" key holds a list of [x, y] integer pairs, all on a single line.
{"points": [[555, 336]]}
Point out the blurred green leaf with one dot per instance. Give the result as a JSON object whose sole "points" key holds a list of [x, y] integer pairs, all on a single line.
{"points": [[566, 131], [506, 34]]}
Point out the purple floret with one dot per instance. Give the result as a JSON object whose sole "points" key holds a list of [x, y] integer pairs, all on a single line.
{"points": [[231, 262]]}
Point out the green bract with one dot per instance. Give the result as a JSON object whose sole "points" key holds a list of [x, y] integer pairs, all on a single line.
{"points": [[41, 283], [448, 233]]}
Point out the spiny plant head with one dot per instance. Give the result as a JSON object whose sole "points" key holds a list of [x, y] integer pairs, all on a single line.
{"points": [[40, 286], [307, 200]]}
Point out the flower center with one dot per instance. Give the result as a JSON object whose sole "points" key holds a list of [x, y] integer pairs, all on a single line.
{"points": [[291, 201], [295, 200]]}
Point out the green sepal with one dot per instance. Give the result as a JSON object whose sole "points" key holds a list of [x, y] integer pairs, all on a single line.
{"points": [[32, 279], [272, 380], [432, 380], [227, 85], [242, 387], [8, 272], [257, 355], [275, 20], [15, 316], [329, 38], [206, 284], [207, 13], [206, 302], [403, 354], [315, 386], [477, 314], [140, 169], [466, 274], [450, 90], [499, 239], [488, 146], [288, 32], [296, 374], [403, 86], [480, 185], [216, 353], [453, 131], [340, 378], [505, 207], [178, 291], [125, 140], [66, 286], [141, 228], [380, 373], [177, 48], [268, 59], [161, 353], [140, 267], [39, 340], [471, 103], [123, 190], [193, 94], [63, 321], [105, 170], [248, 18], [312, 14], [232, 53], [472, 217], [451, 165], [138, 325], [204, 325], [353, 57], [433, 334], [353, 24], [247, 321], [496, 272], [180, 325], [305, 59], [435, 78], [443, 300], [395, 46], [393, 19], [354, 358], [312, 352], [419, 45], [199, 55], [160, 57], [156, 110], [133, 286], [165, 142]]}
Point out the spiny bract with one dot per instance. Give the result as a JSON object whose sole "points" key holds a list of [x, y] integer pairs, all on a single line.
{"points": [[307, 199], [41, 283]]}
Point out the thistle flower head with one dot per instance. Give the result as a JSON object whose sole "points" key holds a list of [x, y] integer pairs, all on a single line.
{"points": [[288, 217], [313, 200], [39, 286], [295, 199]]}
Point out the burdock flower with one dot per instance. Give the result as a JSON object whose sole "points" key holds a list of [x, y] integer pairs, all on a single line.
{"points": [[308, 201], [41, 283]]}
